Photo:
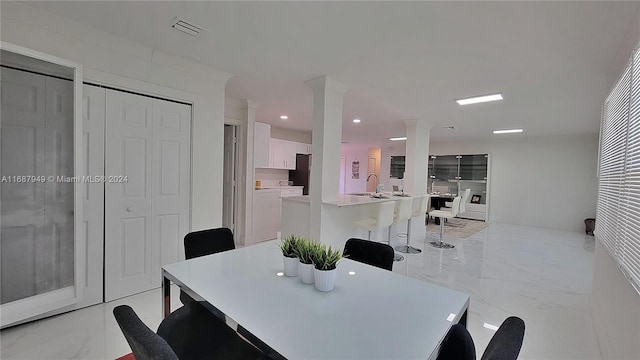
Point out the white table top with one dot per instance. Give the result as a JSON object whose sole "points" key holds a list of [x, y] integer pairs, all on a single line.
{"points": [[372, 314]]}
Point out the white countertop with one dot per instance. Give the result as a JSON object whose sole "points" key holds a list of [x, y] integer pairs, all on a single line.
{"points": [[352, 321], [281, 187], [348, 200]]}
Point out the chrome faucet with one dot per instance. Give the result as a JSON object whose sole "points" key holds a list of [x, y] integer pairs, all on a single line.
{"points": [[369, 177]]}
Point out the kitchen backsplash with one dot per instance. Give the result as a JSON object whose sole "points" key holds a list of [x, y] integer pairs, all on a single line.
{"points": [[272, 177]]}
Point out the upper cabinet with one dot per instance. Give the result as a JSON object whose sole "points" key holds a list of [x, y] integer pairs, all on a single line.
{"points": [[282, 154], [261, 137], [303, 148], [275, 153]]}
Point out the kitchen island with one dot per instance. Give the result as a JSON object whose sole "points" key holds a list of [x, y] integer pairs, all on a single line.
{"points": [[343, 212]]}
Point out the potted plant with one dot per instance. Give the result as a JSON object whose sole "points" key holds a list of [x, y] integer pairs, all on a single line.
{"points": [[288, 246], [325, 260], [305, 251]]}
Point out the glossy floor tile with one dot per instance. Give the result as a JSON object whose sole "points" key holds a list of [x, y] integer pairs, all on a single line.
{"points": [[540, 275]]}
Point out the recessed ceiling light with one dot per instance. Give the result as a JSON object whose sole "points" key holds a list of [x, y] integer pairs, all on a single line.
{"points": [[357, 121], [284, 117], [479, 99], [507, 131], [398, 138]]}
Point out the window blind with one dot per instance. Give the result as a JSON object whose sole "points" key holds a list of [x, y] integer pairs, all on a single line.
{"points": [[618, 209]]}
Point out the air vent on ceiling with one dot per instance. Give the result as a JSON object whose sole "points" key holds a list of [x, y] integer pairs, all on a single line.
{"points": [[186, 27], [450, 128]]}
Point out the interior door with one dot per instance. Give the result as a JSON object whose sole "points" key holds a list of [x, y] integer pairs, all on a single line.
{"points": [[37, 238], [147, 190], [229, 178], [171, 169], [128, 217], [23, 217], [93, 122]]}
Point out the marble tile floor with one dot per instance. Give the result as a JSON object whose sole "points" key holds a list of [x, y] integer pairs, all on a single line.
{"points": [[540, 275]]}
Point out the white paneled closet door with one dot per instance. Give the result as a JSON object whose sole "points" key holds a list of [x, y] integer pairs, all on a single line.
{"points": [[147, 190], [37, 243]]}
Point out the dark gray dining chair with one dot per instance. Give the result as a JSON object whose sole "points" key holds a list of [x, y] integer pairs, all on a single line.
{"points": [[206, 242], [369, 252], [190, 332], [145, 344], [504, 345]]}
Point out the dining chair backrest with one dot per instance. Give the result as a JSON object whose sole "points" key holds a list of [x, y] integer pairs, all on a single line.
{"points": [[457, 345], [423, 205], [369, 252], [455, 207], [464, 199], [507, 341], [145, 344], [385, 214], [207, 242], [403, 209]]}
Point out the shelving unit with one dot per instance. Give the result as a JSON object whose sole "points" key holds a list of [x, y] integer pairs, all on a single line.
{"points": [[459, 172]]}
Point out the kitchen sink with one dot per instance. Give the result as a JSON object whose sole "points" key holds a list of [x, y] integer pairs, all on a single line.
{"points": [[360, 194]]}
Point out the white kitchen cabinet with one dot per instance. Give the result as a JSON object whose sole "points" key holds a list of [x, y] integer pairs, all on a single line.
{"points": [[282, 154], [261, 142], [267, 213], [303, 148]]}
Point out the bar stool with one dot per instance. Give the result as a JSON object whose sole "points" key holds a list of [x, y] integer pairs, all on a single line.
{"points": [[382, 219], [420, 211], [445, 215], [402, 213]]}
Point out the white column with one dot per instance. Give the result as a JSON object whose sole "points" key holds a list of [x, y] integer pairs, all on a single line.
{"points": [[415, 168], [245, 223], [325, 161]]}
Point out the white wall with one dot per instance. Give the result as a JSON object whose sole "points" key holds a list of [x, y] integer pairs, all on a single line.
{"points": [[615, 309], [291, 135], [120, 63], [546, 181], [352, 185]]}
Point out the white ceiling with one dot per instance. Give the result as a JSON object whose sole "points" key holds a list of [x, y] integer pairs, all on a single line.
{"points": [[551, 60]]}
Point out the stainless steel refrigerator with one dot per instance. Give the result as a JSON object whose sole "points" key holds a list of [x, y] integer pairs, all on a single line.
{"points": [[302, 174]]}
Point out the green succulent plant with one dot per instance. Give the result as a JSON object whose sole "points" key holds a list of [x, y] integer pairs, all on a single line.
{"points": [[305, 250], [326, 258], [289, 244]]}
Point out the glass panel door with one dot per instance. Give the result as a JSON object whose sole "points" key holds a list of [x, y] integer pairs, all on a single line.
{"points": [[473, 167], [37, 192]]}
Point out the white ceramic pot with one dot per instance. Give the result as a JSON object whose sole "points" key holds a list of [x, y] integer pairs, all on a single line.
{"points": [[306, 273], [291, 266], [324, 279]]}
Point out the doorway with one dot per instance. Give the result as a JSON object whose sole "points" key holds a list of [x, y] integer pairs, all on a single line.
{"points": [[229, 184]]}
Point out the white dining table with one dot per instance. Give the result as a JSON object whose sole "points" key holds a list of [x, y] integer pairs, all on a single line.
{"points": [[370, 314]]}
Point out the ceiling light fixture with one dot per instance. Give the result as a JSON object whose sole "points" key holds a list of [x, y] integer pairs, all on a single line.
{"points": [[511, 131], [398, 138], [356, 121], [284, 117], [186, 27], [479, 99]]}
